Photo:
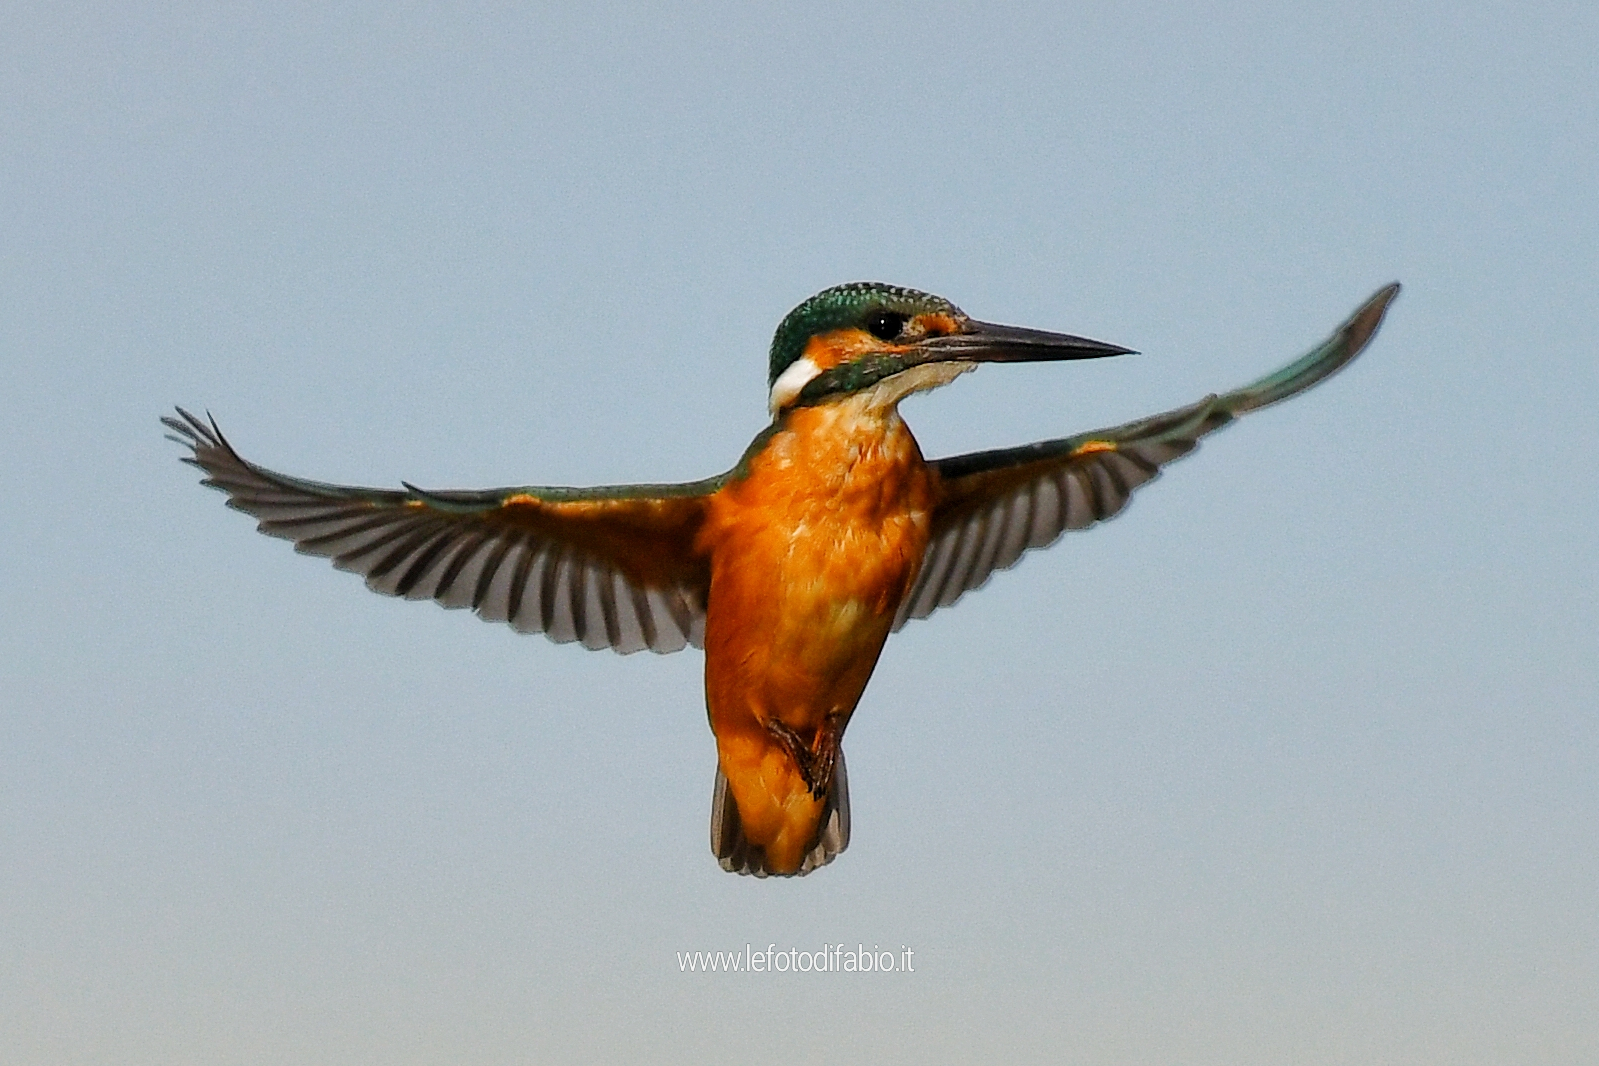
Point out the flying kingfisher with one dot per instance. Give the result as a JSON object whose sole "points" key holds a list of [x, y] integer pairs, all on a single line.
{"points": [[791, 569]]}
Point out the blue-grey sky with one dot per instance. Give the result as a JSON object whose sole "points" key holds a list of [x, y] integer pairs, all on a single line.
{"points": [[1293, 762]]}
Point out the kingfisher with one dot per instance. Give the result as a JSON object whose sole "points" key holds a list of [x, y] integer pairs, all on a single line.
{"points": [[791, 569]]}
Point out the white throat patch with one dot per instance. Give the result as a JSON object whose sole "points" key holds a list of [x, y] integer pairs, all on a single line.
{"points": [[891, 390]]}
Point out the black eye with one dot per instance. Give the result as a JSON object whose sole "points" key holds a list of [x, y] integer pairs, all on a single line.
{"points": [[886, 325]]}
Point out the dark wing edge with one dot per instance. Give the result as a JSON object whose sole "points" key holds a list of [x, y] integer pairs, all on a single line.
{"points": [[609, 567], [997, 505]]}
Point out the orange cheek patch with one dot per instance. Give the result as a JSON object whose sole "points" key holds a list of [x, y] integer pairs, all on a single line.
{"points": [[828, 350]]}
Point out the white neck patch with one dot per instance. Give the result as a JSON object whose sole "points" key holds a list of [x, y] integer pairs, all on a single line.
{"points": [[800, 373]]}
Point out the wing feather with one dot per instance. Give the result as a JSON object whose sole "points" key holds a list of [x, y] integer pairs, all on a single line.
{"points": [[612, 567], [995, 506]]}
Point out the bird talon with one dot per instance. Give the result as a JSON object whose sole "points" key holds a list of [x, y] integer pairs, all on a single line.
{"points": [[815, 766]]}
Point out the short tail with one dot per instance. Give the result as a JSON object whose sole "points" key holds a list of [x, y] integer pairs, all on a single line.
{"points": [[736, 853]]}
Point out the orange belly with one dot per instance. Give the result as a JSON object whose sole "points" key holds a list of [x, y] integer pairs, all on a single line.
{"points": [[811, 554]]}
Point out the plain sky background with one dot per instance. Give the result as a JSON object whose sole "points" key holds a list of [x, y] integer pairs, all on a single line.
{"points": [[1295, 762]]}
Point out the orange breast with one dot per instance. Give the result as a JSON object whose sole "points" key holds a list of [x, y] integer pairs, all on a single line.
{"points": [[811, 554]]}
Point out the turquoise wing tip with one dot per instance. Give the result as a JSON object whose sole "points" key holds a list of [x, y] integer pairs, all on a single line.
{"points": [[1321, 362]]}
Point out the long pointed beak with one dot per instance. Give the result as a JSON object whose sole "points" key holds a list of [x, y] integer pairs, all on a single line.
{"points": [[988, 342]]}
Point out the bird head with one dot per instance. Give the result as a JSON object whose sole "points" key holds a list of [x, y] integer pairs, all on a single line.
{"points": [[851, 338]]}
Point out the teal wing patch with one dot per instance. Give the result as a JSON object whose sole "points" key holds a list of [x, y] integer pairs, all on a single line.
{"points": [[997, 505], [610, 567]]}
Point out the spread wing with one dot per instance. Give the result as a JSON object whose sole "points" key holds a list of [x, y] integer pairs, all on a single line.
{"points": [[610, 567], [994, 506]]}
